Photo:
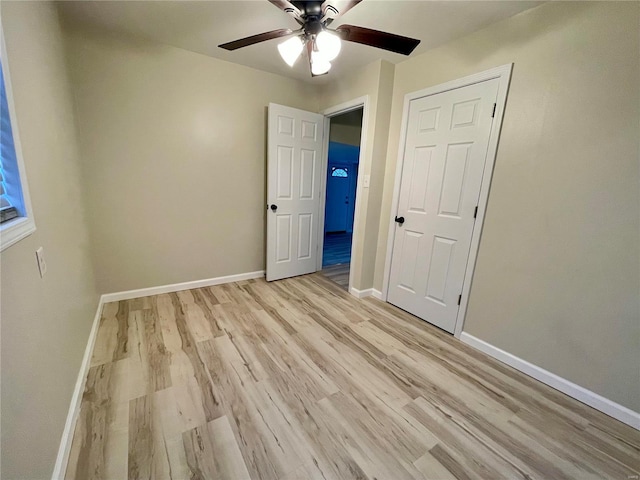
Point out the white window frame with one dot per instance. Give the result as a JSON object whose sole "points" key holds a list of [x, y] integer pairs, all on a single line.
{"points": [[18, 228]]}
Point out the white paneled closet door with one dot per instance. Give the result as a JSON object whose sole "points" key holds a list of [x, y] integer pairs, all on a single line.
{"points": [[444, 159]]}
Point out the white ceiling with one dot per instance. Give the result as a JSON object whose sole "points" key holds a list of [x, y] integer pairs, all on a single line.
{"points": [[200, 26]]}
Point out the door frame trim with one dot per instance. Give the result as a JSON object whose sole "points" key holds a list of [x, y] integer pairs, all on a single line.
{"points": [[356, 103], [503, 74]]}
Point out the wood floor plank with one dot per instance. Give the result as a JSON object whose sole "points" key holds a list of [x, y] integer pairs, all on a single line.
{"points": [[99, 447], [205, 303], [181, 407], [513, 387], [546, 433], [378, 424], [166, 316], [172, 415], [468, 455], [212, 452], [122, 340], [116, 443], [255, 443], [157, 356], [334, 447], [378, 442], [141, 303], [432, 469], [142, 450], [370, 455], [209, 394], [107, 336], [342, 362], [297, 379]]}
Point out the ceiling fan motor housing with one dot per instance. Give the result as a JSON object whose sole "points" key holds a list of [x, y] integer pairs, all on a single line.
{"points": [[309, 8], [313, 27]]}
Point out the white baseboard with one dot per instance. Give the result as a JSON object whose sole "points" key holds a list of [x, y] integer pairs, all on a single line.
{"points": [[369, 292], [74, 409], [176, 287], [585, 396], [361, 293]]}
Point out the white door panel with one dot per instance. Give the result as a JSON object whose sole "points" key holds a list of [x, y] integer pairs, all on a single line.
{"points": [[293, 183], [444, 159]]}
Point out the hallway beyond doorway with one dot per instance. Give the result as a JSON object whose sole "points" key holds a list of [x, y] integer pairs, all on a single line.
{"points": [[337, 248]]}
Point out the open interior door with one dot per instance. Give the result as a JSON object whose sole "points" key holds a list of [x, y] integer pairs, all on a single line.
{"points": [[293, 191]]}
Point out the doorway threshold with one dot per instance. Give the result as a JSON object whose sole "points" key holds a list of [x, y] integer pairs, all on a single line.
{"points": [[338, 274]]}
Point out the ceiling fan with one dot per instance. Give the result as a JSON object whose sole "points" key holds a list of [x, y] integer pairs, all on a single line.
{"points": [[322, 44]]}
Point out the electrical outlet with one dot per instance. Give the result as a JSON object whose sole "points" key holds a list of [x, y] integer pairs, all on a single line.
{"points": [[42, 265]]}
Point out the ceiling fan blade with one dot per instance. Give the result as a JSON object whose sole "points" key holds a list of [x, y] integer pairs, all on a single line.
{"points": [[253, 39], [332, 9], [288, 7], [375, 38]]}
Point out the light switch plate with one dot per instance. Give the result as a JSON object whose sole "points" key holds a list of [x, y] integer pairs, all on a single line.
{"points": [[365, 183], [42, 265]]}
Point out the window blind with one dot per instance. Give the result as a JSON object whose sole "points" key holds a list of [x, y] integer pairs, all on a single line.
{"points": [[10, 194]]}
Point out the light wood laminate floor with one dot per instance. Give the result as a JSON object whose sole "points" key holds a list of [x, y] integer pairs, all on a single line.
{"points": [[297, 379]]}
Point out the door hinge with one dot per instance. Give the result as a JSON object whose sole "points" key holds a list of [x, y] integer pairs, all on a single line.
{"points": [[475, 212], [459, 299], [493, 114]]}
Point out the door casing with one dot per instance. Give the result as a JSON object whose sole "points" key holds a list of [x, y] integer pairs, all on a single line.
{"points": [[503, 73], [356, 255]]}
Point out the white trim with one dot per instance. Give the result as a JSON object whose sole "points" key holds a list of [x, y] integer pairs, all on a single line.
{"points": [[395, 199], [361, 293], [176, 287], [356, 103], [322, 193], [613, 409], [369, 292], [15, 230], [74, 409], [503, 73], [346, 107]]}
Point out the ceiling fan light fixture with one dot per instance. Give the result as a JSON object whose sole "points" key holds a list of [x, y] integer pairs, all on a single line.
{"points": [[329, 44], [290, 50], [323, 44], [319, 64]]}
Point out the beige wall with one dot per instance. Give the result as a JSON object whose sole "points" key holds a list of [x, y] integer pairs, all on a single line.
{"points": [[45, 322], [557, 277], [173, 164], [375, 81], [347, 134], [174, 149]]}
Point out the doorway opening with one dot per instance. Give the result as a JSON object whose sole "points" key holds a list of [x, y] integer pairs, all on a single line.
{"points": [[345, 131]]}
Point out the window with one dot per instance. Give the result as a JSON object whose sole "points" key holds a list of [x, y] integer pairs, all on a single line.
{"points": [[16, 217], [339, 172]]}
